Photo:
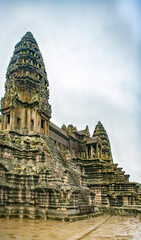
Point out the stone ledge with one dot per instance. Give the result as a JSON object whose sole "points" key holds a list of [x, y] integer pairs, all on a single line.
{"points": [[33, 213], [123, 211]]}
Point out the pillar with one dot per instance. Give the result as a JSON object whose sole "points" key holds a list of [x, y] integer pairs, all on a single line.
{"points": [[91, 151]]}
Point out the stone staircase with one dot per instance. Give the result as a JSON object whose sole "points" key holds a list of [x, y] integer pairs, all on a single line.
{"points": [[54, 151], [72, 176]]}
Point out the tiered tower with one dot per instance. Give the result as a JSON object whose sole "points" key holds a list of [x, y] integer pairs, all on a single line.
{"points": [[44, 170], [109, 182], [36, 178], [106, 148], [25, 104]]}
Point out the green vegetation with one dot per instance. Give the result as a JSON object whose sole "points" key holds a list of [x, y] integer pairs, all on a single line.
{"points": [[139, 185]]}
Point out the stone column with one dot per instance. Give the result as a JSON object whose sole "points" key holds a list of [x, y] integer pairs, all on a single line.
{"points": [[47, 132], [22, 117], [25, 118], [28, 119], [125, 200], [38, 123], [15, 118], [4, 122], [91, 151], [12, 119], [87, 151], [97, 153], [2, 119], [45, 128]]}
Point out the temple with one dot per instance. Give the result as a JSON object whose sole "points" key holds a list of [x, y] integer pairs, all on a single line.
{"points": [[46, 170]]}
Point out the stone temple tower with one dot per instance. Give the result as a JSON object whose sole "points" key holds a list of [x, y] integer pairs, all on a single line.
{"points": [[106, 148], [47, 171], [36, 177], [25, 106]]}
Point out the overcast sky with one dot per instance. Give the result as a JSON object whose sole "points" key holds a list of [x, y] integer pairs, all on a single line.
{"points": [[91, 50]]}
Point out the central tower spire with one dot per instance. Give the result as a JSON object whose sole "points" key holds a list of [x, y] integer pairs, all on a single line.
{"points": [[25, 104]]}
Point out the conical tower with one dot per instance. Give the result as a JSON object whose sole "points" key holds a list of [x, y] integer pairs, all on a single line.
{"points": [[106, 148], [25, 104], [87, 131]]}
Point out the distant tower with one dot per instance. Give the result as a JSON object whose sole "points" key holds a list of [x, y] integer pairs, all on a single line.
{"points": [[106, 148], [25, 106]]}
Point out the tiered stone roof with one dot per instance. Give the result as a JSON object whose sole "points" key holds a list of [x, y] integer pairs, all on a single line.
{"points": [[26, 73], [102, 134]]}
